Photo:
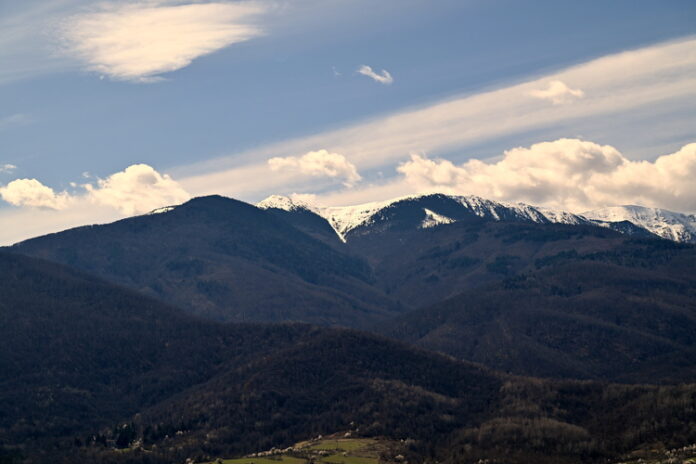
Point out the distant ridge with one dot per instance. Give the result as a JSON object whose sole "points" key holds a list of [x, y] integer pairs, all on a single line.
{"points": [[674, 226], [346, 220], [362, 219]]}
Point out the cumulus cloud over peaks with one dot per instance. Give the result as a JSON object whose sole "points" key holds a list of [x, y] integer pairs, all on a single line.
{"points": [[571, 174], [383, 78], [31, 192], [318, 163], [137, 189], [558, 93], [140, 40]]}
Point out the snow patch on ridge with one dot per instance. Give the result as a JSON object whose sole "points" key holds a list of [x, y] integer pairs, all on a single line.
{"points": [[562, 217], [480, 206], [164, 209], [343, 219], [433, 219]]}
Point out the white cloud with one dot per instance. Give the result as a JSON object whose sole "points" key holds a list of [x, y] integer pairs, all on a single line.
{"points": [[140, 41], [137, 189], [31, 192], [383, 78], [32, 222], [318, 163], [5, 168], [571, 174], [558, 93]]}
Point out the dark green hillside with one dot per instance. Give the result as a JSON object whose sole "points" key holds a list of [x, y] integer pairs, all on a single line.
{"points": [[97, 373], [450, 411], [324, 384], [224, 260], [310, 223], [420, 267], [627, 314], [79, 356], [76, 352], [552, 422]]}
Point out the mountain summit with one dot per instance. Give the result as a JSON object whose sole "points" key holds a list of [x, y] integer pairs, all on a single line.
{"points": [[431, 210]]}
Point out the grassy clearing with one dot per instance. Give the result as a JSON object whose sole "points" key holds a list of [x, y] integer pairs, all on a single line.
{"points": [[330, 450], [342, 444], [340, 459], [266, 460]]}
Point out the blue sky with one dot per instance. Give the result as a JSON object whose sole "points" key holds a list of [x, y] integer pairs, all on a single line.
{"points": [[104, 104]]}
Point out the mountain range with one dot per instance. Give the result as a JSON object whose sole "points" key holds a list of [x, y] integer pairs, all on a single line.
{"points": [[371, 217], [217, 328], [393, 268]]}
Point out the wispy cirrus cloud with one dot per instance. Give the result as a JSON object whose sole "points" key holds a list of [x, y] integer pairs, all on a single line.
{"points": [[7, 168], [383, 78], [141, 41]]}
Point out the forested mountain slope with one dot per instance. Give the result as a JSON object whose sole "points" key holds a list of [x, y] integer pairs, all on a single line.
{"points": [[224, 260], [627, 314]]}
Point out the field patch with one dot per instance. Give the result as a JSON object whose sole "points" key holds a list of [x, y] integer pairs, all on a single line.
{"points": [[335, 449]]}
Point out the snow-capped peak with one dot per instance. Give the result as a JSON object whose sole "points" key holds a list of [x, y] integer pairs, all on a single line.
{"points": [[438, 209], [344, 219], [284, 203], [667, 224]]}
